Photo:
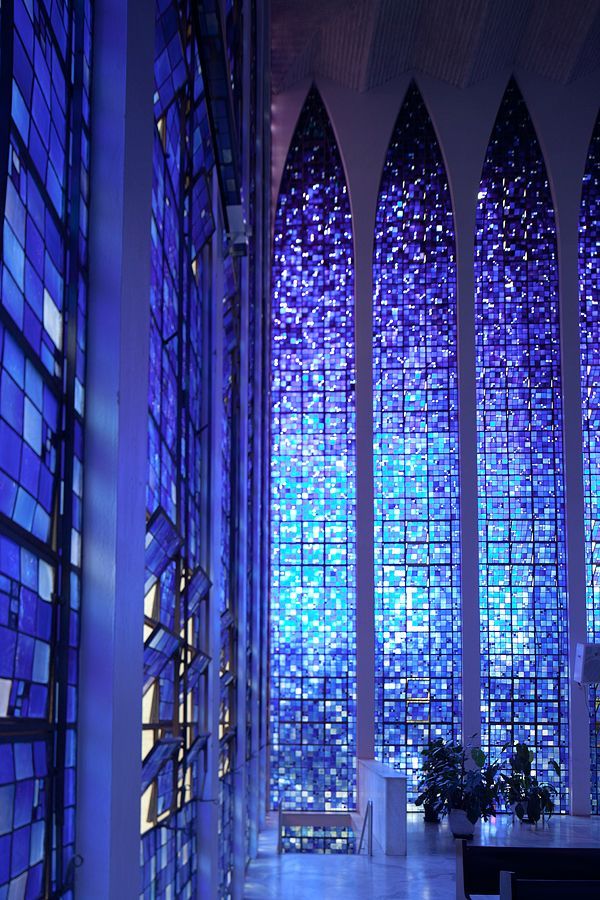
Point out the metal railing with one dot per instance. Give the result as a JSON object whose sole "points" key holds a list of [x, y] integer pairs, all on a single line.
{"points": [[367, 824]]}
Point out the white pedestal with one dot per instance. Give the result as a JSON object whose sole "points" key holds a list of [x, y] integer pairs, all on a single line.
{"points": [[387, 789]]}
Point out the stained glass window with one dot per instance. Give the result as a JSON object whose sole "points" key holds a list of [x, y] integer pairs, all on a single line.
{"points": [[589, 294], [44, 176], [176, 614], [523, 605], [415, 447], [313, 618]]}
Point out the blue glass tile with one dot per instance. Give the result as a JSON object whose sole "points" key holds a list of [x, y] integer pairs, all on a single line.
{"points": [[163, 750], [158, 650], [26, 586], [162, 542], [196, 590]]}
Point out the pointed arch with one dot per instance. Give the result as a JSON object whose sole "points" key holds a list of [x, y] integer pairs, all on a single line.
{"points": [[415, 445], [313, 683], [522, 564], [589, 305]]}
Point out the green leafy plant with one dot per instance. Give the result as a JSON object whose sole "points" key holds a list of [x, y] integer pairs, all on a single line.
{"points": [[436, 755], [461, 778], [527, 797]]}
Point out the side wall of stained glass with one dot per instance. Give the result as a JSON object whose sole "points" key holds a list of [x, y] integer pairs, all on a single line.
{"points": [[313, 640], [176, 608], [523, 603], [44, 175], [415, 446]]}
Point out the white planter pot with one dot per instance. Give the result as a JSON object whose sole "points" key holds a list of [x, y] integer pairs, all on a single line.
{"points": [[459, 824]]}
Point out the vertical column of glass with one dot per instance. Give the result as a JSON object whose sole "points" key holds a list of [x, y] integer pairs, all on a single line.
{"points": [[589, 299], [228, 606], [417, 553], [524, 665], [313, 617], [175, 606], [44, 159]]}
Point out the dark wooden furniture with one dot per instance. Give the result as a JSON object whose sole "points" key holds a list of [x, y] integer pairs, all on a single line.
{"points": [[478, 868], [513, 888]]}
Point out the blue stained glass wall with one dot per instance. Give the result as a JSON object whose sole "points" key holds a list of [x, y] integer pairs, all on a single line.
{"points": [[589, 294], [44, 176], [524, 672], [415, 447], [313, 665], [175, 725]]}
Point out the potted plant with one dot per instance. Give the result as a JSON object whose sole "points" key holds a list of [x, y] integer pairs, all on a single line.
{"points": [[436, 756], [467, 787], [528, 799]]}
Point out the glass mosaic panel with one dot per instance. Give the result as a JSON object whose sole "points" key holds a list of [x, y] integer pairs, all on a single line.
{"points": [[27, 593], [317, 839], [44, 162], [415, 448], [313, 595], [522, 581], [23, 814], [589, 299], [175, 625]]}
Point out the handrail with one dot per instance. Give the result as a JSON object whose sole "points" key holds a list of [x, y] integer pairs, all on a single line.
{"points": [[280, 828], [368, 818]]}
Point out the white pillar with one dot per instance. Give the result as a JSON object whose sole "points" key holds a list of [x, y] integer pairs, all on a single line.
{"points": [[363, 124], [564, 119], [463, 120], [209, 807], [111, 655]]}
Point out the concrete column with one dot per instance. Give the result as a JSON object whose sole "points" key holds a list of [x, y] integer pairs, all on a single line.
{"points": [[209, 860], [259, 591], [111, 656], [363, 124], [463, 121], [564, 120]]}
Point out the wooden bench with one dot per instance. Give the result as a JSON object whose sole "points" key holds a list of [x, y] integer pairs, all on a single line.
{"points": [[514, 888], [478, 868]]}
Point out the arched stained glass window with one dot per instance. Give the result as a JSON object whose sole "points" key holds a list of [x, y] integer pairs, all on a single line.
{"points": [[522, 582], [313, 681], [589, 295], [415, 446]]}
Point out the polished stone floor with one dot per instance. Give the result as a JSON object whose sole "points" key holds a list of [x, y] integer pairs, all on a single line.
{"points": [[426, 873]]}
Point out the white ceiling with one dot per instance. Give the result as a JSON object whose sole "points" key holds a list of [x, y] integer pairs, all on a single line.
{"points": [[364, 43]]}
